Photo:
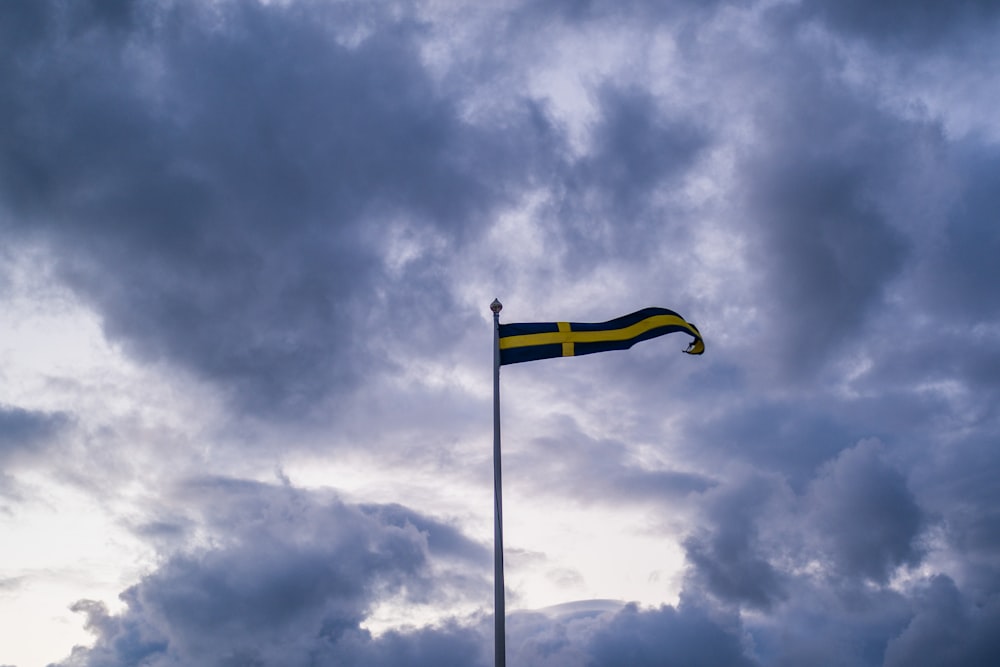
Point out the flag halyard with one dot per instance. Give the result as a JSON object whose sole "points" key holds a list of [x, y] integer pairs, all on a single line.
{"points": [[522, 342]]}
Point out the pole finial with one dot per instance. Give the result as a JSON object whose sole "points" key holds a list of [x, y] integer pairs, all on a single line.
{"points": [[496, 306]]}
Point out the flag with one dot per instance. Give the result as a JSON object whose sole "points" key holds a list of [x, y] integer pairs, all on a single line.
{"points": [[543, 340]]}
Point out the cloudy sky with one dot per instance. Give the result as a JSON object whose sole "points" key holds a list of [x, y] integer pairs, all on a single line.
{"points": [[248, 251]]}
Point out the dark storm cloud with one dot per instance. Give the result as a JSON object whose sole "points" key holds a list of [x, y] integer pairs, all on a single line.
{"points": [[789, 437], [818, 192], [689, 634], [727, 557], [613, 198], [857, 521], [287, 577], [948, 629], [818, 625], [587, 11], [932, 624], [909, 23], [635, 148], [21, 430], [958, 484], [127, 640], [220, 180], [962, 268], [860, 484], [442, 539], [225, 181]]}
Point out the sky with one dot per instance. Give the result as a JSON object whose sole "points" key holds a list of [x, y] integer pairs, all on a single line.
{"points": [[248, 251]]}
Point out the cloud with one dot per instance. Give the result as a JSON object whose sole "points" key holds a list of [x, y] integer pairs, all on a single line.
{"points": [[858, 483], [727, 556], [616, 194], [291, 576], [588, 633], [285, 575], [23, 430], [955, 484], [25, 436], [615, 472], [759, 544], [910, 24], [820, 212], [947, 629], [223, 182], [686, 635], [959, 269], [792, 437], [304, 207], [817, 624]]}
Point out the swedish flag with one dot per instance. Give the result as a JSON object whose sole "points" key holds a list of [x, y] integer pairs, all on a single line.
{"points": [[543, 340]]}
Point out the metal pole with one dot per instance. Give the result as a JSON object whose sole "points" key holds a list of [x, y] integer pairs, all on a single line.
{"points": [[499, 614]]}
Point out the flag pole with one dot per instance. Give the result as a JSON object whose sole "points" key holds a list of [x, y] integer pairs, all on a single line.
{"points": [[499, 614]]}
